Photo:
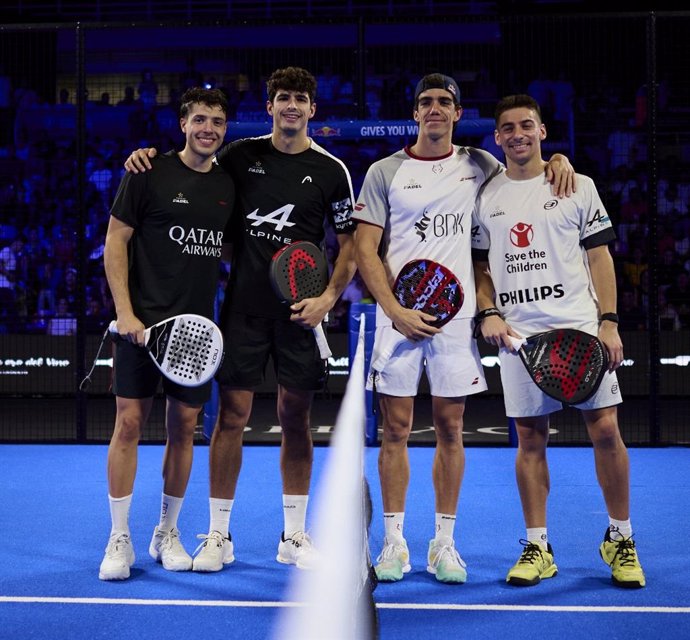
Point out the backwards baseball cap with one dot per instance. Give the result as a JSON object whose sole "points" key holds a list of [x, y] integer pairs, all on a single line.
{"points": [[438, 81]]}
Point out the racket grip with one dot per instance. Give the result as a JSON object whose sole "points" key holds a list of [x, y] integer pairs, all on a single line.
{"points": [[112, 327], [321, 342], [517, 342]]}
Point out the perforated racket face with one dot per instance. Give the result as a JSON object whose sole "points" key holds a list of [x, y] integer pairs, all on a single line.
{"points": [[299, 271], [566, 364], [188, 349], [429, 287]]}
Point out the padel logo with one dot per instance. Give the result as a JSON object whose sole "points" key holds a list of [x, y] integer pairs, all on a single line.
{"points": [[521, 235], [180, 199], [257, 168]]}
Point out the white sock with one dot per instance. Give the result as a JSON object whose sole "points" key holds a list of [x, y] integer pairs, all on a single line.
{"points": [[294, 514], [393, 524], [119, 514], [445, 527], [170, 511], [220, 510], [619, 529], [538, 535]]}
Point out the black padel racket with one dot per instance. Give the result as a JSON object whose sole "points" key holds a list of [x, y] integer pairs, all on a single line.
{"points": [[187, 349], [566, 364], [298, 271], [430, 287]]}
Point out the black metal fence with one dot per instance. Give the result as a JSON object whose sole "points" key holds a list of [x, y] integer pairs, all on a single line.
{"points": [[75, 99]]}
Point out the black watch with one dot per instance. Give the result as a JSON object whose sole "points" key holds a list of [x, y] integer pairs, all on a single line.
{"points": [[611, 317]]}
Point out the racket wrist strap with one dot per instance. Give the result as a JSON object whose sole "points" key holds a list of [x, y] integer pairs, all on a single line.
{"points": [[611, 317], [484, 313]]}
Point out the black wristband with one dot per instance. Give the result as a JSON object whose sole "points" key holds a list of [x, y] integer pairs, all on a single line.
{"points": [[611, 317], [484, 313]]}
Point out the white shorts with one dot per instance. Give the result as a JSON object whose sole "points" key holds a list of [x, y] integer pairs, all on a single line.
{"points": [[524, 399], [450, 358]]}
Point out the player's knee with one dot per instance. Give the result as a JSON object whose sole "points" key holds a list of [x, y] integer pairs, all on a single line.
{"points": [[605, 434], [449, 433], [396, 433], [127, 428]]}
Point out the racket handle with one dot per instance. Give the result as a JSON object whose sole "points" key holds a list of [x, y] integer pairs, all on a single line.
{"points": [[322, 343], [112, 327], [517, 342]]}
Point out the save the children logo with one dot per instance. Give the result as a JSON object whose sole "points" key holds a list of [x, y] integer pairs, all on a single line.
{"points": [[521, 235]]}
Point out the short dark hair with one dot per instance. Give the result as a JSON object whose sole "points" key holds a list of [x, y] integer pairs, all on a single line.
{"points": [[517, 101], [291, 79], [199, 95]]}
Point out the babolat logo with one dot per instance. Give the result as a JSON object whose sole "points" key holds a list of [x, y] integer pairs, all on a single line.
{"points": [[257, 168], [412, 184], [429, 290], [197, 242], [521, 296], [180, 199]]}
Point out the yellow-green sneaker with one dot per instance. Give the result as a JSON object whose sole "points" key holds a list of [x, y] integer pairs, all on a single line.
{"points": [[534, 565], [445, 562], [621, 556], [393, 561]]}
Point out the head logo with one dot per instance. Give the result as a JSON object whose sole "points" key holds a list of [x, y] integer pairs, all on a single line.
{"points": [[521, 235]]}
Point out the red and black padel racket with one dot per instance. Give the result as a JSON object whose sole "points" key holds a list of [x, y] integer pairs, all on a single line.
{"points": [[566, 364], [298, 271], [430, 287]]}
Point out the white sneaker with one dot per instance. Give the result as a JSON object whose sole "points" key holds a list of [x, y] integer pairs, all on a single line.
{"points": [[393, 561], [119, 557], [298, 549], [215, 551], [167, 549], [445, 562]]}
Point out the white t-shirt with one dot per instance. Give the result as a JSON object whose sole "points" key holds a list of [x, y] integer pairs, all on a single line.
{"points": [[536, 247], [425, 208]]}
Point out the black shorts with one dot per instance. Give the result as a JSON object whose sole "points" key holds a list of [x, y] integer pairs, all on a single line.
{"points": [[136, 376], [250, 340]]}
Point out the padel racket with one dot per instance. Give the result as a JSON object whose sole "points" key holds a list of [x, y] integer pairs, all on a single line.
{"points": [[430, 287], [298, 271], [566, 364], [187, 348]]}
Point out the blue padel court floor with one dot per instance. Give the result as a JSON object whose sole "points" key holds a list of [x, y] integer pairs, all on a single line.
{"points": [[54, 525]]}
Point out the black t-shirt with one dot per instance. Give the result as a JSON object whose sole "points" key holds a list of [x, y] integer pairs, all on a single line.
{"points": [[180, 219], [280, 198]]}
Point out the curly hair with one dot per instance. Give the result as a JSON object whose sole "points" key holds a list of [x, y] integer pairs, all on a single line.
{"points": [[291, 79]]}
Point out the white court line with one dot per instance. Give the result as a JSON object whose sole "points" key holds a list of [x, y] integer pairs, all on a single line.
{"points": [[379, 605]]}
